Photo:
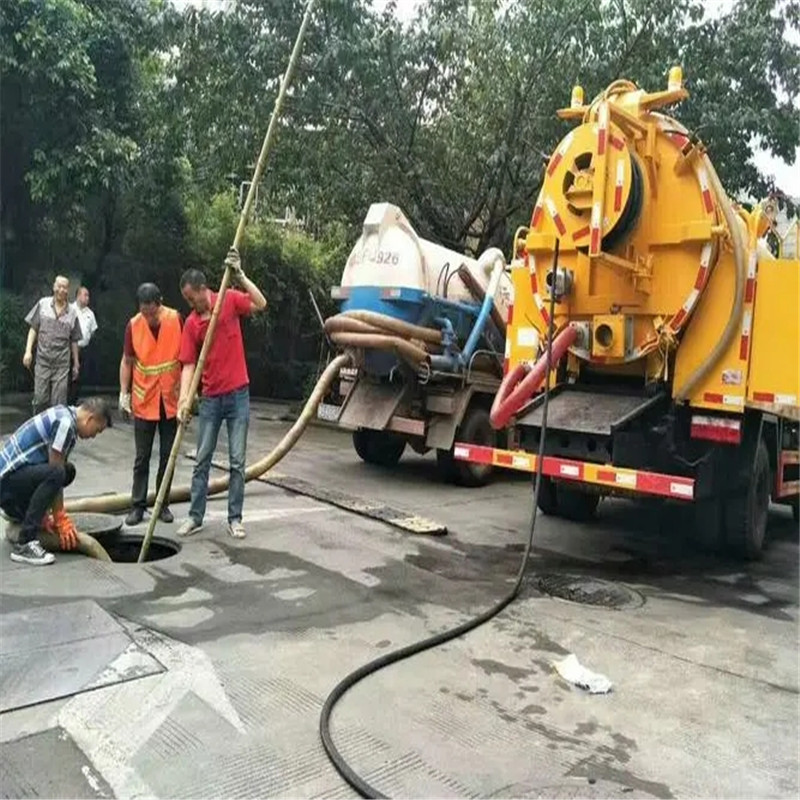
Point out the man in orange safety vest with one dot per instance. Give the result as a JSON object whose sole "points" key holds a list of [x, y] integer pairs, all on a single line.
{"points": [[150, 381]]}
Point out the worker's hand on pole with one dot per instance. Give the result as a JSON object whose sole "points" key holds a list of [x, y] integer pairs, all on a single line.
{"points": [[234, 263], [125, 405], [184, 410]]}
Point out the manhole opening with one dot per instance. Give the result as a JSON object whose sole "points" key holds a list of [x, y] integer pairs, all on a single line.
{"points": [[125, 548], [587, 590]]}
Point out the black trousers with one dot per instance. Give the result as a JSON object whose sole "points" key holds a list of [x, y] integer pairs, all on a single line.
{"points": [[28, 493], [144, 431]]}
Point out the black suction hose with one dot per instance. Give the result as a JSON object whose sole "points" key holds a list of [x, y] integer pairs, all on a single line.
{"points": [[342, 767]]}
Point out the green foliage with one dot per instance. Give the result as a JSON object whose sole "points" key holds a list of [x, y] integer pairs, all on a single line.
{"points": [[127, 129], [13, 335]]}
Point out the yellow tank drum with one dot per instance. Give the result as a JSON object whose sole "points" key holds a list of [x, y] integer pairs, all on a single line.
{"points": [[677, 331]]}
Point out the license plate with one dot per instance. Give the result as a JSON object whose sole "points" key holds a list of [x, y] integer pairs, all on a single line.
{"points": [[328, 412]]}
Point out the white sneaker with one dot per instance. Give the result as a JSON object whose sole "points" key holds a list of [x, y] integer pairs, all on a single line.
{"points": [[236, 529], [32, 553], [189, 526]]}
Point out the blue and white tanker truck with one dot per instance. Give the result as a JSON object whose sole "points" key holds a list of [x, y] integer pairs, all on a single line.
{"points": [[426, 328]]}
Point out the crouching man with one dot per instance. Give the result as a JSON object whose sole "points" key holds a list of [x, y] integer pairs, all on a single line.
{"points": [[34, 471]]}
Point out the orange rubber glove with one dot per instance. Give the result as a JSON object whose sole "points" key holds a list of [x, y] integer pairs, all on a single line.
{"points": [[65, 528]]}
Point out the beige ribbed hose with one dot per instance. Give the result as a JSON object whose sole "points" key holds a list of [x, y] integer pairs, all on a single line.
{"points": [[181, 494]]}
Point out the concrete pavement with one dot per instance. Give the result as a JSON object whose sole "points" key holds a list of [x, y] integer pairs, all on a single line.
{"points": [[228, 649]]}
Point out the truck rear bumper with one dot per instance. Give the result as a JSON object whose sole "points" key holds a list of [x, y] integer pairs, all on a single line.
{"points": [[630, 481]]}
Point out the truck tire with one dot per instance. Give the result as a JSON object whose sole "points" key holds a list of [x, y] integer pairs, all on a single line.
{"points": [[475, 428], [575, 504], [382, 448], [746, 512], [548, 499]]}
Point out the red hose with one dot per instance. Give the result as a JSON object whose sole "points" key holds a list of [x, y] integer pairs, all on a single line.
{"points": [[519, 386]]}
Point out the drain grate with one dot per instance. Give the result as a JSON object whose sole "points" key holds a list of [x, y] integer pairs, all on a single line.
{"points": [[588, 590]]}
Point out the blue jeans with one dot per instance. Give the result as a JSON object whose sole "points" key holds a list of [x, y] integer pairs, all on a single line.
{"points": [[234, 408]]}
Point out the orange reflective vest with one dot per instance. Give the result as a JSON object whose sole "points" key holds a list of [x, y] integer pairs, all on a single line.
{"points": [[156, 369]]}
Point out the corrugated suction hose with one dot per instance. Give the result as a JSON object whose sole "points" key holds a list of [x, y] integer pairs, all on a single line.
{"points": [[181, 494], [740, 262]]}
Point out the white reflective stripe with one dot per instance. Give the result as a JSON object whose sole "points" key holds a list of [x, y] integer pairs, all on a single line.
{"points": [[620, 172], [625, 478], [717, 422], [527, 337], [569, 469], [461, 452], [751, 265], [521, 462], [747, 320], [705, 256], [691, 300], [680, 489], [703, 178], [786, 399], [732, 400]]}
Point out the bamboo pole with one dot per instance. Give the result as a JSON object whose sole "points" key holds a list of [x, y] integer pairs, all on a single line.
{"points": [[262, 160]]}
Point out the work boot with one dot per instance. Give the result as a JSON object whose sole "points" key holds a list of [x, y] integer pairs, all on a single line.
{"points": [[32, 553], [166, 515], [135, 517]]}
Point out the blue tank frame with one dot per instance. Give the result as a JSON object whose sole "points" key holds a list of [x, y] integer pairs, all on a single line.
{"points": [[462, 322]]}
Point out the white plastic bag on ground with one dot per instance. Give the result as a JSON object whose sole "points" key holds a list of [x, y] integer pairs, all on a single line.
{"points": [[571, 670]]}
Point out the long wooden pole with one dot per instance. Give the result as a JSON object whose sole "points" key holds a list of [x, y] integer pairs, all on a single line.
{"points": [[262, 160]]}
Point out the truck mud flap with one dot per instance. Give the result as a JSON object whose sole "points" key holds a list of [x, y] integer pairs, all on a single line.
{"points": [[370, 405]]}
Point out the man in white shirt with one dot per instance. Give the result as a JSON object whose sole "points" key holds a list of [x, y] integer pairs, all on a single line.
{"points": [[88, 325]]}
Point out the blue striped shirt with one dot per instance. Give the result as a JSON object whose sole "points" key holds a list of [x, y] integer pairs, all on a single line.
{"points": [[56, 427]]}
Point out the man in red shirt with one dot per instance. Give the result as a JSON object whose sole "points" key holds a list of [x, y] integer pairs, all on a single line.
{"points": [[225, 386]]}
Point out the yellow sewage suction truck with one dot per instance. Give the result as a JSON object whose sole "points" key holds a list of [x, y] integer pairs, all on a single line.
{"points": [[675, 331]]}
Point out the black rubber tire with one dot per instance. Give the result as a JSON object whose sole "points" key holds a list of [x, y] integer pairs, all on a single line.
{"points": [[796, 510], [475, 428], [382, 448], [575, 504], [548, 496], [746, 512]]}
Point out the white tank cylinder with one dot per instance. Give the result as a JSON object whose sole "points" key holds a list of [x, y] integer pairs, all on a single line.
{"points": [[390, 255]]}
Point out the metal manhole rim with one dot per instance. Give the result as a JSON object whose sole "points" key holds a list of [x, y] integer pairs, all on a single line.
{"points": [[567, 587]]}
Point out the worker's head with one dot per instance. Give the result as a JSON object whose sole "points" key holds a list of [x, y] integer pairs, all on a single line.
{"points": [[61, 288], [93, 417], [195, 291], [82, 297], [148, 295]]}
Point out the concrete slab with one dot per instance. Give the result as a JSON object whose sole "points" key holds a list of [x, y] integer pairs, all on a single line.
{"points": [[254, 634], [48, 764], [59, 650]]}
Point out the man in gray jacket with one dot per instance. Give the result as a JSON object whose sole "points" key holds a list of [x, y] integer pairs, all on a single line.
{"points": [[56, 331]]}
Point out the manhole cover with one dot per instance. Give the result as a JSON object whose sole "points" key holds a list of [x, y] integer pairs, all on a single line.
{"points": [[588, 590], [96, 524]]}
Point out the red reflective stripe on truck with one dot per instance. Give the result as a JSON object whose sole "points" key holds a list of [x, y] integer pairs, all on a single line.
{"points": [[630, 480]]}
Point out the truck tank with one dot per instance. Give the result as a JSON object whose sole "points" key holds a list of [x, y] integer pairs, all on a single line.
{"points": [[426, 327], [676, 332]]}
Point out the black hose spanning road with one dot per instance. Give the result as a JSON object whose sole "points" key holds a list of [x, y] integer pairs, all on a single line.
{"points": [[342, 767]]}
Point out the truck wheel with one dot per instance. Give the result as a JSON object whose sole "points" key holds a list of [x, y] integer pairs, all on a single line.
{"points": [[746, 512], [575, 504], [383, 448], [475, 428], [548, 499]]}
